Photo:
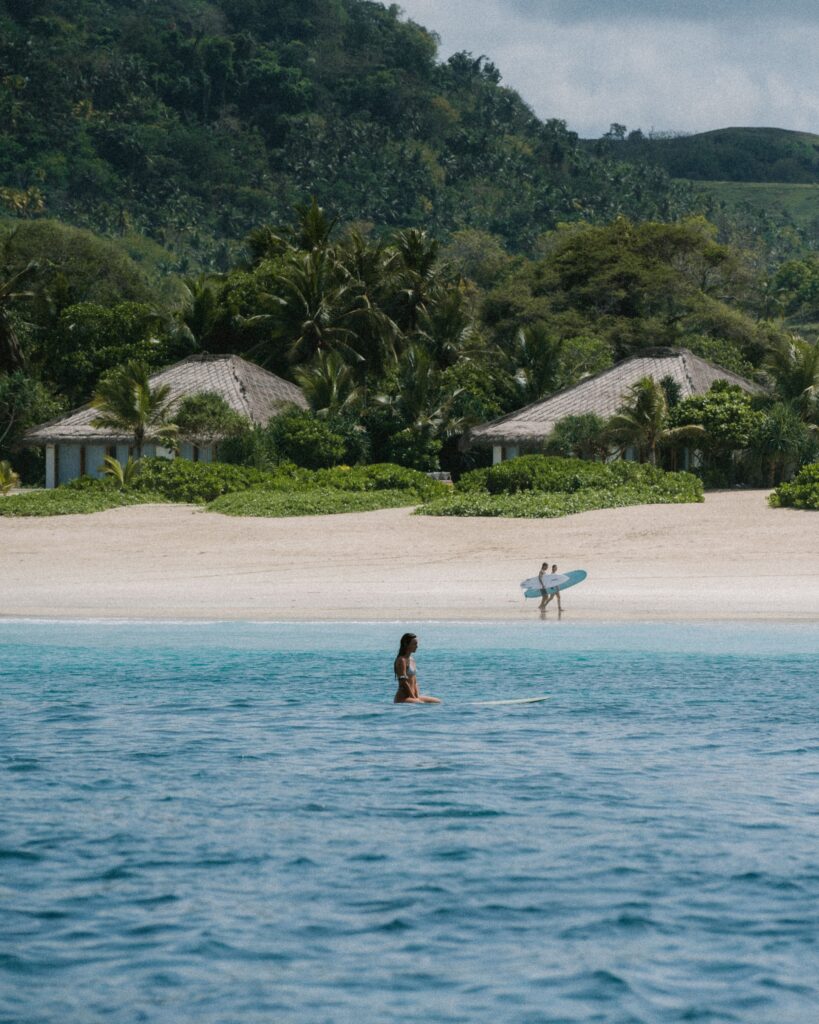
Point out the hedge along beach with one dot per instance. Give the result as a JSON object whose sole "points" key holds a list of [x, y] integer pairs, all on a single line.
{"points": [[731, 557]]}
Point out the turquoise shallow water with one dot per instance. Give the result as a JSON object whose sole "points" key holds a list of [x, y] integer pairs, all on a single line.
{"points": [[231, 824]]}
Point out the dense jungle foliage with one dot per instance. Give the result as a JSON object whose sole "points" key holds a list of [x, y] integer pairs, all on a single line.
{"points": [[192, 122], [459, 258]]}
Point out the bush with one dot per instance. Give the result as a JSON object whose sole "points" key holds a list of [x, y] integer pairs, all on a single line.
{"points": [[473, 480], [553, 473], [301, 438], [195, 482], [206, 415], [549, 505], [801, 492], [259, 502], [67, 501], [603, 486], [379, 477]]}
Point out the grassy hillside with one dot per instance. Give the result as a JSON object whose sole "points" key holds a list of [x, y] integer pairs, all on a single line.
{"points": [[727, 154], [192, 122], [796, 204]]}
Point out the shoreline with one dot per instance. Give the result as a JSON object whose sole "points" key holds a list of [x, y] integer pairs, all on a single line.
{"points": [[730, 559]]}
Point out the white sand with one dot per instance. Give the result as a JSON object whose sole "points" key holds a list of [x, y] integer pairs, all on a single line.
{"points": [[730, 558]]}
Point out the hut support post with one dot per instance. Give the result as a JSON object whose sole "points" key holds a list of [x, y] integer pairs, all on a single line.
{"points": [[50, 466]]}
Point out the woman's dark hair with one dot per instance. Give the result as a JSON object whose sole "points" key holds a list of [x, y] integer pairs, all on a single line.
{"points": [[405, 642]]}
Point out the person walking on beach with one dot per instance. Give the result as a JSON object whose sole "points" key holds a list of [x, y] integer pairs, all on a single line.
{"points": [[544, 599], [404, 668], [556, 594]]}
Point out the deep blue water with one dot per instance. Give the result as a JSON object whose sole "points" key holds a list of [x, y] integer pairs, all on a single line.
{"points": [[231, 824]]}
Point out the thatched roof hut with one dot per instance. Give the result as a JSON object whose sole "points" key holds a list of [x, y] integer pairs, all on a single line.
{"points": [[603, 395], [75, 448], [247, 389]]}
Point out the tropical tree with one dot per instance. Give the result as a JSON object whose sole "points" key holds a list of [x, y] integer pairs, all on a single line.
{"points": [[419, 275], [127, 402], [578, 437], [329, 385], [642, 421], [200, 314], [535, 362], [11, 353], [794, 364], [780, 444]]}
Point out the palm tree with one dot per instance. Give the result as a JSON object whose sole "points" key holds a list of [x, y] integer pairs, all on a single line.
{"points": [[418, 254], [419, 402], [448, 329], [11, 353], [642, 421], [329, 385], [199, 315], [794, 364], [127, 403], [535, 358]]}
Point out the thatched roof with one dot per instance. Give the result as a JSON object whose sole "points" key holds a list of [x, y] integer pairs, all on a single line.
{"points": [[603, 395], [247, 389]]}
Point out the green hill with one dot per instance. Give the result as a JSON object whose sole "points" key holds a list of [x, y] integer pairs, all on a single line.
{"points": [[192, 122], [727, 154]]}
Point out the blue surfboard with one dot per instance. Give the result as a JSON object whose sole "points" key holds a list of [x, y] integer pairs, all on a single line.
{"points": [[573, 578]]}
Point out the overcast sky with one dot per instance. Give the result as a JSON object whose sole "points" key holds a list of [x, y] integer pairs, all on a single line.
{"points": [[680, 65]]}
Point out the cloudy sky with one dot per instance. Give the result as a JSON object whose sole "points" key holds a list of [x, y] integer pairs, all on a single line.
{"points": [[681, 65]]}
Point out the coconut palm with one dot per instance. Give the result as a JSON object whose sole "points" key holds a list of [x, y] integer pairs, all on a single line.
{"points": [[329, 385], [535, 362], [794, 364], [11, 354], [127, 403], [200, 312], [418, 400], [448, 329], [419, 275], [642, 421]]}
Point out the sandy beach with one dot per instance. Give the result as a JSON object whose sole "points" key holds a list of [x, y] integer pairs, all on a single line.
{"points": [[729, 558]]}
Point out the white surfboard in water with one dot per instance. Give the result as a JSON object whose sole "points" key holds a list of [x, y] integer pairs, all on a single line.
{"points": [[514, 700]]}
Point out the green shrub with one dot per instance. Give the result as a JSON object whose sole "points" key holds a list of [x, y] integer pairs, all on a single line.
{"points": [[676, 488], [554, 473], [67, 501], [473, 480], [300, 437], [379, 477], [801, 492], [196, 482], [260, 502]]}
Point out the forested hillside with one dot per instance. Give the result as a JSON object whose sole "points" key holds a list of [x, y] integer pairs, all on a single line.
{"points": [[193, 122], [305, 184]]}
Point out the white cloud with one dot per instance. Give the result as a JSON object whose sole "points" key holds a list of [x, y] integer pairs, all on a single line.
{"points": [[674, 72]]}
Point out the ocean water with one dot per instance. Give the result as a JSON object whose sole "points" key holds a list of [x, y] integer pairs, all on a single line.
{"points": [[230, 823]]}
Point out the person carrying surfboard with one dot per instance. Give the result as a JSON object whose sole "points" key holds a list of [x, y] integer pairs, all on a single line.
{"points": [[556, 594], [405, 670], [545, 598]]}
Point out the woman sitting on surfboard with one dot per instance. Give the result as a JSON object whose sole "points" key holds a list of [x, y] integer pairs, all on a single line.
{"points": [[404, 668]]}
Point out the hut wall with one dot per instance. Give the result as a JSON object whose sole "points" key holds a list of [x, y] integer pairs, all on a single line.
{"points": [[94, 459], [68, 462]]}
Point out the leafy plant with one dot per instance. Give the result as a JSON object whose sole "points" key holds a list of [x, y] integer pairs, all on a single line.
{"points": [[8, 478], [65, 501], [314, 502], [123, 476], [801, 492]]}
